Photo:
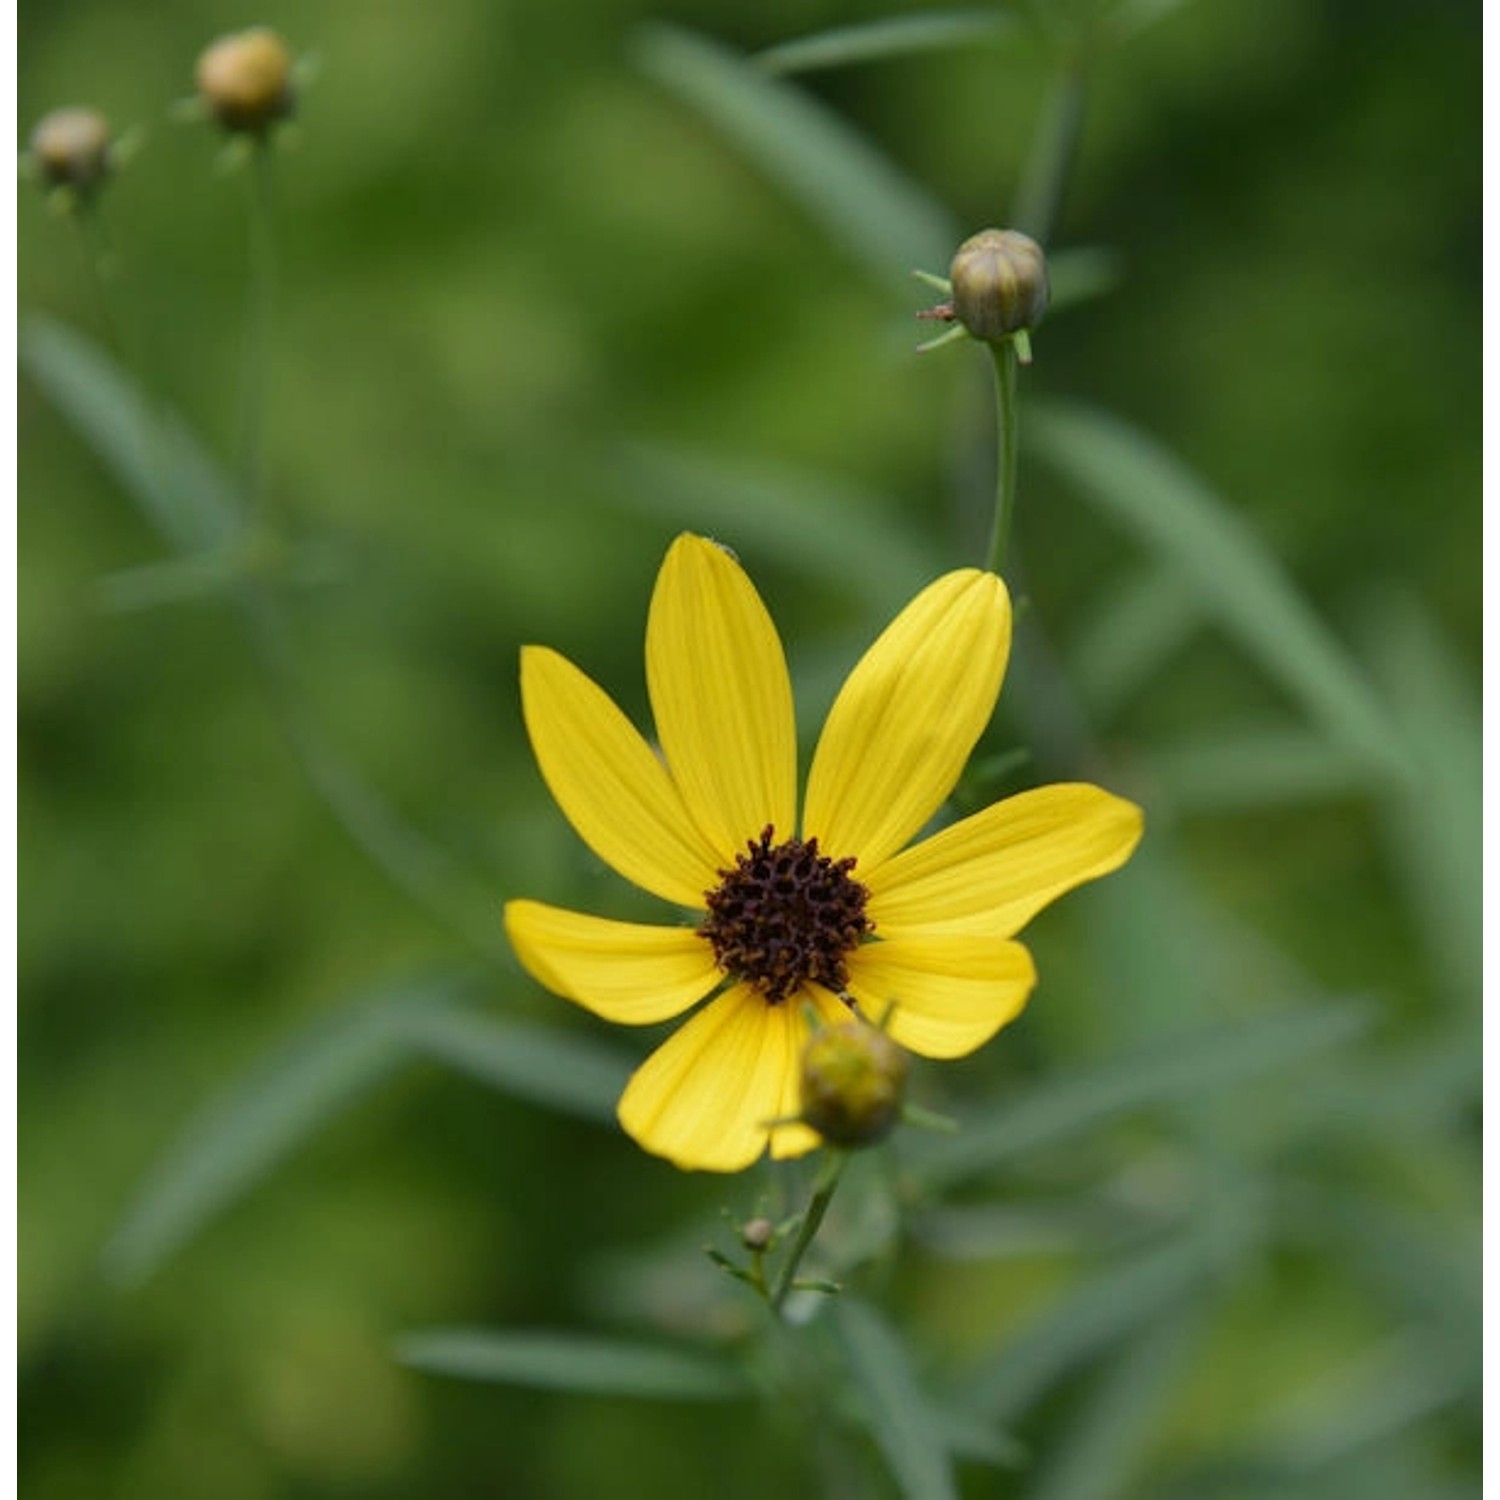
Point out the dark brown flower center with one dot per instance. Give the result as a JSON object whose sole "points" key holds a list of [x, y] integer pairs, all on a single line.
{"points": [[786, 915]]}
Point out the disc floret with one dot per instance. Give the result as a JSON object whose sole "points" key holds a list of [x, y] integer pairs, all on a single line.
{"points": [[786, 915]]}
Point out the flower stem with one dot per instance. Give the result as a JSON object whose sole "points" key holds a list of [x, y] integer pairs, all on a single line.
{"points": [[807, 1230], [259, 299], [1004, 356]]}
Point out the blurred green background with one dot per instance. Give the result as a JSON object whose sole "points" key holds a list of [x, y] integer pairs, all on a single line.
{"points": [[536, 313]]}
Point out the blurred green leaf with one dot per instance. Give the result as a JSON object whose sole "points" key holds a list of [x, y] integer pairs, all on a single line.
{"points": [[1217, 555], [240, 1136], [573, 1362], [176, 483], [1435, 828], [1138, 628], [1168, 1070], [572, 1074], [1095, 1455], [885, 221], [1363, 1404], [1434, 1273], [1252, 768], [895, 1408], [891, 36], [819, 527], [1130, 1294], [1079, 275]]}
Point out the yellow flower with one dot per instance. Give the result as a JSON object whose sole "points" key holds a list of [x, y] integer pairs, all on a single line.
{"points": [[831, 916]]}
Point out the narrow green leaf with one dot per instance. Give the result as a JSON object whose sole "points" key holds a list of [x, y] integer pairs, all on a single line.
{"points": [[1132, 637], [881, 218], [1253, 768], [1168, 1070], [1220, 558], [1434, 831], [821, 527], [572, 1074], [891, 36], [573, 1362], [1400, 1383], [177, 485], [1079, 275], [236, 1140], [895, 1408], [1096, 1455], [1130, 1294]]}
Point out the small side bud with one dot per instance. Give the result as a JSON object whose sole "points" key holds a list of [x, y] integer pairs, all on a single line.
{"points": [[853, 1079], [999, 281], [245, 80], [71, 148], [757, 1234]]}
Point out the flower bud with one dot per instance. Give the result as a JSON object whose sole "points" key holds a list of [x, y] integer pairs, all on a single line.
{"points": [[853, 1078], [757, 1234], [999, 281], [70, 147], [245, 79]]}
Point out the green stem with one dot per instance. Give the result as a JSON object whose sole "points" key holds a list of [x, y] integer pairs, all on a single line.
{"points": [[95, 243], [259, 306], [807, 1230], [1004, 356]]}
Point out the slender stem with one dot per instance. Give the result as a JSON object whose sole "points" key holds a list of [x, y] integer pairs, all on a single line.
{"points": [[823, 1191], [1004, 356], [259, 310], [95, 243]]}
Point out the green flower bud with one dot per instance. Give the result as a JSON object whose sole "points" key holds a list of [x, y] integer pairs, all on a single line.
{"points": [[245, 80], [757, 1234], [71, 148], [853, 1078], [999, 281]]}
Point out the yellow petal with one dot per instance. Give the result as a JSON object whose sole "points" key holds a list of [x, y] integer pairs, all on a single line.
{"points": [[623, 971], [721, 697], [705, 1097], [609, 784], [907, 718], [992, 872], [951, 994]]}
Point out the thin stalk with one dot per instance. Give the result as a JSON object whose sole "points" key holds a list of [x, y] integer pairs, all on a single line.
{"points": [[260, 290], [807, 1230], [1006, 426], [95, 246]]}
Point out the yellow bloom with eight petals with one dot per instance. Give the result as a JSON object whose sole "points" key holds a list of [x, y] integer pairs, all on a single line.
{"points": [[833, 914]]}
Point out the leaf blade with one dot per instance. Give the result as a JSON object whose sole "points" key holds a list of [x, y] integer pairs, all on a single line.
{"points": [[1213, 550], [178, 486], [1208, 1059], [879, 216], [539, 1064], [888, 37], [576, 1363], [237, 1137], [896, 1409]]}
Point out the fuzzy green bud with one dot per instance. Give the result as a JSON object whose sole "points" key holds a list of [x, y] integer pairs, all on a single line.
{"points": [[999, 281], [757, 1234], [853, 1079], [71, 148], [245, 80]]}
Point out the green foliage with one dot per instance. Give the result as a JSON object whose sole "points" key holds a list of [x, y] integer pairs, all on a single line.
{"points": [[553, 284], [568, 1362]]}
